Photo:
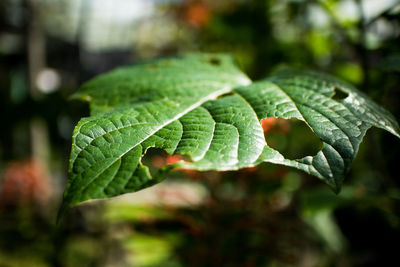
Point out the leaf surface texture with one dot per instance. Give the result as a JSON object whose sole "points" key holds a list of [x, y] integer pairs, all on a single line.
{"points": [[203, 107]]}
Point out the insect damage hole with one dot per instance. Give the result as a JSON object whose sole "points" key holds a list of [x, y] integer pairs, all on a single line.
{"points": [[339, 94], [156, 158], [291, 137]]}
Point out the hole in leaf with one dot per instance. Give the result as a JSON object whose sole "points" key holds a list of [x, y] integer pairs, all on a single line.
{"points": [[339, 94], [292, 138], [156, 158], [215, 61]]}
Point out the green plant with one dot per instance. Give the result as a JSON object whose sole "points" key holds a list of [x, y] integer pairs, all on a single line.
{"points": [[203, 107]]}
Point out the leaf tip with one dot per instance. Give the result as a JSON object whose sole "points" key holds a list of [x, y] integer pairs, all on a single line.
{"points": [[336, 185], [62, 210]]}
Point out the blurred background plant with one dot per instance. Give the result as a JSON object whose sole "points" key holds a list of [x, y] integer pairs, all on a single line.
{"points": [[265, 216]]}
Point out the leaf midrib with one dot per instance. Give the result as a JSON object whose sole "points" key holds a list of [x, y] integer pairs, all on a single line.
{"points": [[190, 108]]}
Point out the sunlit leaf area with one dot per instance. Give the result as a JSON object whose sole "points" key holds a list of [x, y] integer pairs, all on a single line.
{"points": [[207, 211]]}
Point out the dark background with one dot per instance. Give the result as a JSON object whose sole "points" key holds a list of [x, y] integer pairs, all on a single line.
{"points": [[264, 216]]}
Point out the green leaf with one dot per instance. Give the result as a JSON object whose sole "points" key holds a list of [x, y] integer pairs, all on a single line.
{"points": [[202, 106], [341, 125]]}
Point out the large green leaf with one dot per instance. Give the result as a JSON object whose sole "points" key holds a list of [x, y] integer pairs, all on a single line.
{"points": [[202, 106]]}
